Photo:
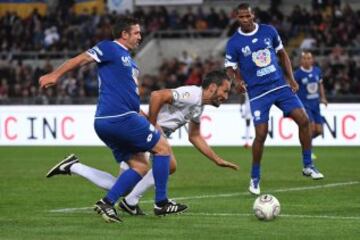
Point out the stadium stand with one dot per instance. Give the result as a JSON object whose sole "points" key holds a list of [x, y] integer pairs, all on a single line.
{"points": [[34, 45]]}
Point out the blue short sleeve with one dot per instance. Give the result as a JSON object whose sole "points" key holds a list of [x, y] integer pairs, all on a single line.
{"points": [[231, 57], [101, 52], [276, 39]]}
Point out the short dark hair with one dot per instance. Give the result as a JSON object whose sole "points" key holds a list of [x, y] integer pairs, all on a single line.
{"points": [[123, 24], [306, 51], [217, 77], [243, 6]]}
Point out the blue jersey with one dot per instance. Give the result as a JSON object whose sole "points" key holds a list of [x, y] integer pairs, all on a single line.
{"points": [[255, 55], [308, 81], [117, 75]]}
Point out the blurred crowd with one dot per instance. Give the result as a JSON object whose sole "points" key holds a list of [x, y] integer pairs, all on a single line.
{"points": [[330, 29], [64, 30]]}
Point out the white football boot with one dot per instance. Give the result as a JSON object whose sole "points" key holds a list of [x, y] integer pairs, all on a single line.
{"points": [[311, 171], [254, 187]]}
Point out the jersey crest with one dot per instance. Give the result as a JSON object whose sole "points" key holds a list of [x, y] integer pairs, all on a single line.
{"points": [[262, 57]]}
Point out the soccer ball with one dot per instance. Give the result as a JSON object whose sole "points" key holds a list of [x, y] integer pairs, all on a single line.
{"points": [[266, 207]]}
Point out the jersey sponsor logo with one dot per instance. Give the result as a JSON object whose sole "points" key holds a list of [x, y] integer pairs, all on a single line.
{"points": [[185, 95], [246, 51], [268, 43], [261, 58], [126, 61], [266, 70]]}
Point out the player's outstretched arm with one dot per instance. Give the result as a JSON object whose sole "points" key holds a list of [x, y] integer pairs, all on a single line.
{"points": [[198, 141], [51, 79], [286, 64], [157, 100]]}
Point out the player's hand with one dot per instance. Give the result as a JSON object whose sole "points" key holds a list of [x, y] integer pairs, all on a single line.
{"points": [[223, 163], [294, 86], [324, 101], [48, 80], [240, 87]]}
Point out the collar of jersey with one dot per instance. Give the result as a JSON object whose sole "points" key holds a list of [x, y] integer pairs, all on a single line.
{"points": [[307, 70], [121, 45], [250, 33]]}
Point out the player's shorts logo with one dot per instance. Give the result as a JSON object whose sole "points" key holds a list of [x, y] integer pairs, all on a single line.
{"points": [[257, 114], [261, 58]]}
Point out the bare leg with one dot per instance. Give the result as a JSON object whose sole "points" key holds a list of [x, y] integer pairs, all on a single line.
{"points": [[257, 151]]}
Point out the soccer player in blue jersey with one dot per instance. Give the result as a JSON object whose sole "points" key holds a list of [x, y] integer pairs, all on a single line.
{"points": [[118, 121], [252, 55], [311, 91]]}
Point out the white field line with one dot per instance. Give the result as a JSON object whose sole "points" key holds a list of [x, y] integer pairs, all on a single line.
{"points": [[225, 195], [281, 215]]}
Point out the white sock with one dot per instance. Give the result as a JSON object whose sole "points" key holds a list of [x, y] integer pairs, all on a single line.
{"points": [[99, 178], [141, 187], [124, 166]]}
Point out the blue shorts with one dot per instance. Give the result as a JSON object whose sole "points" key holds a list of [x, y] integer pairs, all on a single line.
{"points": [[127, 135], [283, 98], [314, 114]]}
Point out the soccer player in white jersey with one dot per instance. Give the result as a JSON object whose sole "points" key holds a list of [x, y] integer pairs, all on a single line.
{"points": [[252, 55], [170, 109], [246, 115]]}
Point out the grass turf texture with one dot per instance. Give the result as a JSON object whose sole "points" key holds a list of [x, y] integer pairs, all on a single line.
{"points": [[27, 197]]}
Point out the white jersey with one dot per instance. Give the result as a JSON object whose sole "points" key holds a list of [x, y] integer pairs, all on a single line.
{"points": [[186, 107]]}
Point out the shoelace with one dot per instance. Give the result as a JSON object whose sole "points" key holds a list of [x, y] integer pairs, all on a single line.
{"points": [[110, 212]]}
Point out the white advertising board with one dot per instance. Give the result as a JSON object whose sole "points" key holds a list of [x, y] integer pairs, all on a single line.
{"points": [[73, 125]]}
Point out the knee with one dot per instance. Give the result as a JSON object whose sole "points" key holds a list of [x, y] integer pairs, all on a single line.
{"points": [[304, 123], [162, 147], [141, 169], [318, 132], [260, 137]]}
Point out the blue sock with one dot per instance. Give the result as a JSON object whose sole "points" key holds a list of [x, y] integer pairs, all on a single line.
{"points": [[127, 180], [307, 161], [255, 170], [160, 166]]}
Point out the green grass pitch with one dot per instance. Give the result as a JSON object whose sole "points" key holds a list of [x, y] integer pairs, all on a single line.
{"points": [[33, 207]]}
